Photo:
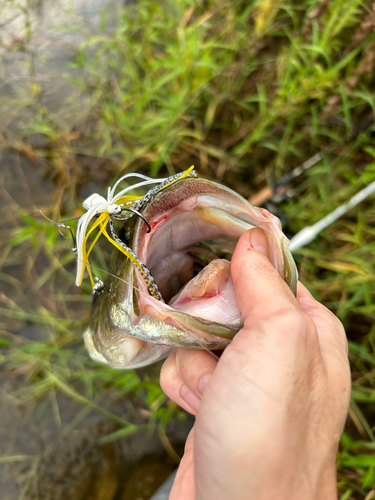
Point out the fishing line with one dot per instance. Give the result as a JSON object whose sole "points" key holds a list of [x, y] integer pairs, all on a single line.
{"points": [[61, 224]]}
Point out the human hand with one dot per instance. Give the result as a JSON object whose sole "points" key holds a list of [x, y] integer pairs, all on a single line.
{"points": [[270, 411]]}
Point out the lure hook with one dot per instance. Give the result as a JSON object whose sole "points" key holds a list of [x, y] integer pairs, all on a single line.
{"points": [[134, 211]]}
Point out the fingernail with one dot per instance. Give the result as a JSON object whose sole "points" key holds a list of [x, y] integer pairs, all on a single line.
{"points": [[203, 382], [258, 241], [189, 397]]}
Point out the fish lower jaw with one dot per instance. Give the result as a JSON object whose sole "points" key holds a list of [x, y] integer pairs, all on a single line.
{"points": [[117, 355]]}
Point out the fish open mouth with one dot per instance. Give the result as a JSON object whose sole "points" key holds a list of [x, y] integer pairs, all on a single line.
{"points": [[177, 290], [194, 232]]}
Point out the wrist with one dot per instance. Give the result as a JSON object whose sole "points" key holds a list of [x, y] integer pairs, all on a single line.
{"points": [[323, 487], [316, 481], [327, 486]]}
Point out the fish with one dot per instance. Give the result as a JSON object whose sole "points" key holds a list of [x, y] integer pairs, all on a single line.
{"points": [[169, 283]]}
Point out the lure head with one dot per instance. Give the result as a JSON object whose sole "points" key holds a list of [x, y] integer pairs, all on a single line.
{"points": [[195, 225], [114, 209], [94, 199]]}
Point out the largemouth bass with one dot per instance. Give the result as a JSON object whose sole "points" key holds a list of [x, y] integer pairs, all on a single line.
{"points": [[174, 288]]}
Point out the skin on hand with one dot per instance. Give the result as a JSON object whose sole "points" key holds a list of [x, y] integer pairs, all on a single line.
{"points": [[270, 411]]}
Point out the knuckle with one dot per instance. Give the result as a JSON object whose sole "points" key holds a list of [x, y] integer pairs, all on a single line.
{"points": [[191, 364], [168, 373], [185, 360], [338, 331], [329, 326], [294, 324], [335, 321], [164, 382], [285, 318], [306, 321]]}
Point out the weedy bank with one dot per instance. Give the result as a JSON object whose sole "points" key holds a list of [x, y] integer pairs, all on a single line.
{"points": [[246, 92]]}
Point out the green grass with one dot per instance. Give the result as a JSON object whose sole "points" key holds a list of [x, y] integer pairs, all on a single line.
{"points": [[245, 91]]}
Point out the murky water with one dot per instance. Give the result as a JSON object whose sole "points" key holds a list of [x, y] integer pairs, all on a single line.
{"points": [[38, 41], [50, 443]]}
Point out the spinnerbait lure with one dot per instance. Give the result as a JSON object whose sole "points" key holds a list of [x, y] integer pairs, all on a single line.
{"points": [[116, 207]]}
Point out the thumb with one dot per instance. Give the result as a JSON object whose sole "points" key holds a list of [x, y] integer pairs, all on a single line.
{"points": [[259, 288]]}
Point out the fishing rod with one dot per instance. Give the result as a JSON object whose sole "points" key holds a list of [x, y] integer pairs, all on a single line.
{"points": [[278, 191], [309, 233]]}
